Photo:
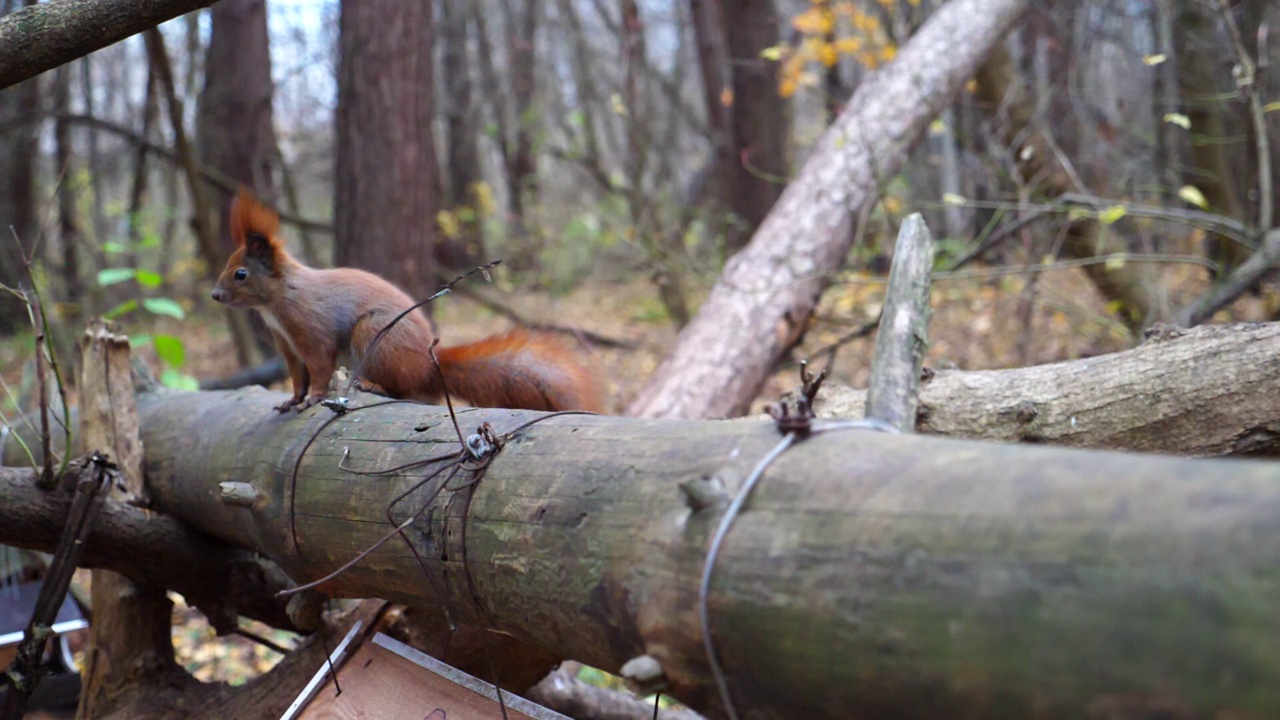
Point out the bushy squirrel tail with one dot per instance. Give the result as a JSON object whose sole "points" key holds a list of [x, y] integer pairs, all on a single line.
{"points": [[522, 369]]}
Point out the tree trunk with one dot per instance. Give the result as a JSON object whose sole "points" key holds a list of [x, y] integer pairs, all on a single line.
{"points": [[1219, 159], [18, 149], [235, 135], [386, 187], [766, 293], [758, 170], [234, 131], [941, 578], [130, 633], [467, 247]]}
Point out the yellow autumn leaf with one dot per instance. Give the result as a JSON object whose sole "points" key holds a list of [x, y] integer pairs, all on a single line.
{"points": [[1156, 59], [482, 194], [1112, 214], [1115, 262], [787, 87], [814, 21], [1192, 195], [1271, 107], [619, 106], [848, 45], [448, 223], [827, 55], [773, 53], [954, 199], [1178, 119]]}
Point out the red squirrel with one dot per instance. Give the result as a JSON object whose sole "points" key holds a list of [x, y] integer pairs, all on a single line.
{"points": [[316, 314]]}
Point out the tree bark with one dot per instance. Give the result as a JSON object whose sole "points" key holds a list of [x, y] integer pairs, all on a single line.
{"points": [[764, 297], [906, 588], [758, 168], [236, 137], [234, 128], [220, 580], [44, 36], [461, 127], [17, 191], [1212, 390], [386, 185], [130, 631]]}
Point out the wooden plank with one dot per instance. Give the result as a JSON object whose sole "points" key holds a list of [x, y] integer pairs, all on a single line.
{"points": [[386, 678]]}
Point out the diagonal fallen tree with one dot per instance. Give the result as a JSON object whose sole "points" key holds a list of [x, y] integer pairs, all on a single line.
{"points": [[870, 574]]}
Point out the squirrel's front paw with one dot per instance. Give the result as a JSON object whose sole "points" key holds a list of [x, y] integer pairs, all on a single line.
{"points": [[310, 400], [287, 405]]}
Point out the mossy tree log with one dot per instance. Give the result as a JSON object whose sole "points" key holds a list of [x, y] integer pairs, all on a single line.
{"points": [[870, 575]]}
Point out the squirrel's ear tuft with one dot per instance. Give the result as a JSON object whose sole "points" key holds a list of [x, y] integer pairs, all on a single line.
{"points": [[250, 217]]}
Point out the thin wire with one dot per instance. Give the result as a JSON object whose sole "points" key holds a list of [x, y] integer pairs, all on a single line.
{"points": [[704, 588]]}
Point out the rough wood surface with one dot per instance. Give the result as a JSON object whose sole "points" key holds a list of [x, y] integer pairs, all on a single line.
{"points": [[766, 293], [221, 580], [41, 37], [904, 329], [1210, 390], [871, 574], [130, 630]]}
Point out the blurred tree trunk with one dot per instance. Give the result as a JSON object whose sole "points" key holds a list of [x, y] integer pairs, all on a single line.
{"points": [[1130, 285], [758, 170], [386, 184], [518, 152], [713, 65], [463, 156], [69, 234], [234, 131], [18, 146], [235, 134], [1220, 161]]}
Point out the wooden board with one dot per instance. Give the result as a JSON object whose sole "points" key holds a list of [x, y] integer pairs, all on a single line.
{"points": [[387, 679]]}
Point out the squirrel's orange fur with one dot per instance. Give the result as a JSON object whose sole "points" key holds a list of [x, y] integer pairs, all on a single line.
{"points": [[316, 314]]}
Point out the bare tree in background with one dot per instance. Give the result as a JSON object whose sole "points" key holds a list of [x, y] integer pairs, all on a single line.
{"points": [[462, 136], [386, 185], [758, 117], [234, 129], [18, 147], [519, 160]]}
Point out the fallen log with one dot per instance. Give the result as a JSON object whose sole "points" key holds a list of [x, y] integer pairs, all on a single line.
{"points": [[1210, 390], [870, 574]]}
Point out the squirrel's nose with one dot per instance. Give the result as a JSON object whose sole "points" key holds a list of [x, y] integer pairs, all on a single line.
{"points": [[218, 294]]}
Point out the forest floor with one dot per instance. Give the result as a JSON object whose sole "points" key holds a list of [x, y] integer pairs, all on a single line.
{"points": [[978, 323]]}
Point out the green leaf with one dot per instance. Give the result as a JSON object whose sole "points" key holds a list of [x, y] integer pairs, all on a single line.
{"points": [[164, 306], [149, 240], [178, 381], [111, 276], [137, 341], [171, 350], [123, 308], [112, 247], [147, 278]]}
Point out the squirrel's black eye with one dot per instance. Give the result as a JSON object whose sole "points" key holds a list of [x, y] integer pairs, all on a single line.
{"points": [[241, 273]]}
